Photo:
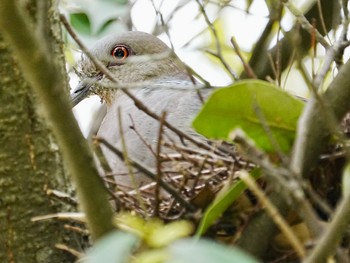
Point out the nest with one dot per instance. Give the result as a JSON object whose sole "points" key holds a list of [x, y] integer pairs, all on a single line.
{"points": [[186, 180]]}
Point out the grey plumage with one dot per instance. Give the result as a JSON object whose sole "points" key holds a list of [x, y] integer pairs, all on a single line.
{"points": [[152, 62]]}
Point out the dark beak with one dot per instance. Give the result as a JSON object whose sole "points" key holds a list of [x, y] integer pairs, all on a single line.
{"points": [[81, 91]]}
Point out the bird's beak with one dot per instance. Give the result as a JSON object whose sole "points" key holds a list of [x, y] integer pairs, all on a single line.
{"points": [[81, 91]]}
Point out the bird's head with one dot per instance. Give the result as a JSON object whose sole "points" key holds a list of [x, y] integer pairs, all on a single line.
{"points": [[131, 57]]}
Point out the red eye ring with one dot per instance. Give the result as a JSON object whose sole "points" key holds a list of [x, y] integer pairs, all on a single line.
{"points": [[120, 53]]}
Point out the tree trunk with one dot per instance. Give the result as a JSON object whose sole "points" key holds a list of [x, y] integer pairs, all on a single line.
{"points": [[30, 163]]}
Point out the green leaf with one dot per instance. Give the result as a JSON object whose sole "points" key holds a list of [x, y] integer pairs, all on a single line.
{"points": [[220, 204], [266, 113], [204, 251], [115, 247], [99, 12], [81, 23]]}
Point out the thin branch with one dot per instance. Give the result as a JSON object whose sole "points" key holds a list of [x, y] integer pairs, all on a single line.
{"points": [[274, 214], [152, 85], [70, 250], [332, 53], [145, 143], [164, 26], [289, 182], [260, 46], [324, 28], [305, 23], [127, 163], [247, 68], [46, 82], [138, 103], [218, 53], [159, 164], [259, 60], [319, 120], [329, 241], [147, 172]]}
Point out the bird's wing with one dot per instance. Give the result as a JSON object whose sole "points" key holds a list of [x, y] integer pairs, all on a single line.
{"points": [[139, 129]]}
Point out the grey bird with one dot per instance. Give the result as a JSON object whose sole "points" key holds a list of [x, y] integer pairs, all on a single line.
{"points": [[160, 81]]}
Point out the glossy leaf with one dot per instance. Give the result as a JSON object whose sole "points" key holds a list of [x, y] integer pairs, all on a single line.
{"points": [[266, 113], [220, 204]]}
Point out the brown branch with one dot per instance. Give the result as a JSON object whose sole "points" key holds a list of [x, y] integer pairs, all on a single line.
{"points": [[305, 23], [138, 103], [45, 81], [289, 182], [313, 129], [259, 59], [134, 128], [218, 53], [159, 164], [247, 68], [333, 234], [274, 214], [127, 162], [150, 175]]}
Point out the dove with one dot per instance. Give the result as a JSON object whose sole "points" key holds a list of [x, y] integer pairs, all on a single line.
{"points": [[151, 71]]}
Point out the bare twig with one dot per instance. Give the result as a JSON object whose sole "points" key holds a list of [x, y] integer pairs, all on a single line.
{"points": [[147, 172], [275, 215], [218, 53], [164, 26], [305, 23], [125, 158], [70, 250], [135, 129], [158, 164], [333, 234], [324, 28], [247, 68], [319, 120], [138, 103], [43, 75], [286, 179]]}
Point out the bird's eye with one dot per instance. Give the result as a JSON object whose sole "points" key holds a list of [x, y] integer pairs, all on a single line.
{"points": [[120, 53]]}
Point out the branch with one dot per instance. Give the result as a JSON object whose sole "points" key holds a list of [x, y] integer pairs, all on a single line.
{"points": [[259, 233], [218, 54], [313, 130], [287, 181], [274, 214], [45, 80], [138, 103], [259, 60], [333, 234], [147, 172], [305, 23]]}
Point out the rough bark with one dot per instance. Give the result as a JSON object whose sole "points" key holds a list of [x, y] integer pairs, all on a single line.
{"points": [[30, 164]]}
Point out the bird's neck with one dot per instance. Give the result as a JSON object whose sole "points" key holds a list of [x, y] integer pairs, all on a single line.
{"points": [[142, 87], [140, 75]]}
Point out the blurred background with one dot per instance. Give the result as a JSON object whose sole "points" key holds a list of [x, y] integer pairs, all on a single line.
{"points": [[200, 32]]}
